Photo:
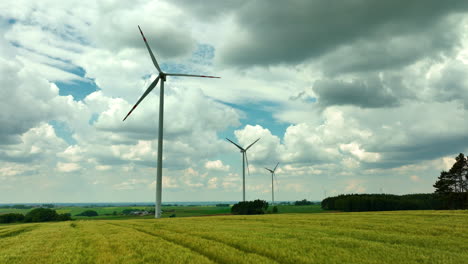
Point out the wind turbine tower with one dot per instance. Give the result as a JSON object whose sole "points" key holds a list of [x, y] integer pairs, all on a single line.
{"points": [[162, 76], [272, 185], [244, 160]]}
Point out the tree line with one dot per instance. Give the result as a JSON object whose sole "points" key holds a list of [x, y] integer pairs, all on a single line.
{"points": [[381, 202], [35, 215], [451, 192]]}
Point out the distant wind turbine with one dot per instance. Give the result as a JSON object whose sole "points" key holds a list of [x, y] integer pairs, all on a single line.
{"points": [[244, 159], [272, 185], [162, 76]]}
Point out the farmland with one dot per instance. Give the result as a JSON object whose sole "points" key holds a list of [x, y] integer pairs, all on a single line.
{"points": [[106, 212], [371, 237]]}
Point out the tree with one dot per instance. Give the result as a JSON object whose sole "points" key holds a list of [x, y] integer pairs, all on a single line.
{"points": [[88, 213], [303, 202], [456, 179], [45, 215], [444, 183], [41, 215], [452, 185], [250, 207]]}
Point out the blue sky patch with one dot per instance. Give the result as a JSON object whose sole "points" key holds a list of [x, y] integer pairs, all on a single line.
{"points": [[258, 114], [63, 131], [94, 118], [78, 89], [204, 54]]}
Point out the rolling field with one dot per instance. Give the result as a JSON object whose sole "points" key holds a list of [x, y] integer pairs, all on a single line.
{"points": [[377, 237]]}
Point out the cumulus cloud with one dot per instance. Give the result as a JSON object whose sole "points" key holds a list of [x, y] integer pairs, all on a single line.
{"points": [[339, 95], [216, 165], [27, 100]]}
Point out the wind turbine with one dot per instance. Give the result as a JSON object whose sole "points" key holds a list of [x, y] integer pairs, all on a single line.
{"points": [[272, 186], [244, 159], [162, 76]]}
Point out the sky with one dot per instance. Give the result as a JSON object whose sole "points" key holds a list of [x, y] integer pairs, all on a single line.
{"points": [[356, 96]]}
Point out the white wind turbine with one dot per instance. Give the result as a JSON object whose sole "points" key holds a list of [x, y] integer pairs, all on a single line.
{"points": [[244, 159], [272, 185], [162, 76]]}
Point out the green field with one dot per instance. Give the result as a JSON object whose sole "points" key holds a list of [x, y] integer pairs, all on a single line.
{"points": [[371, 237], [179, 211]]}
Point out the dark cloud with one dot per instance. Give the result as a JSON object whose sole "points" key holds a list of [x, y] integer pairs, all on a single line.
{"points": [[272, 33], [366, 94], [452, 83], [420, 151], [209, 9]]}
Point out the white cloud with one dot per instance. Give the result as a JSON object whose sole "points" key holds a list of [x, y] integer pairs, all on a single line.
{"points": [[216, 165], [130, 184], [213, 183], [361, 154], [316, 143], [67, 167]]}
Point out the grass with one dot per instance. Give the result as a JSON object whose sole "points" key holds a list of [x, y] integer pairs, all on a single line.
{"points": [[371, 237]]}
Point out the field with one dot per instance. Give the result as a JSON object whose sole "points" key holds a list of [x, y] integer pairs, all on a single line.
{"points": [[371, 237], [179, 211]]}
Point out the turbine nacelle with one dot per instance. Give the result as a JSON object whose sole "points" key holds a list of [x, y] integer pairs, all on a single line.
{"points": [[162, 76]]}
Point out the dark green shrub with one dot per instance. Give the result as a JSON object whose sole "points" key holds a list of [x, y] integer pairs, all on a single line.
{"points": [[41, 215], [45, 215], [303, 202], [275, 209], [11, 218], [88, 213], [250, 207], [64, 217]]}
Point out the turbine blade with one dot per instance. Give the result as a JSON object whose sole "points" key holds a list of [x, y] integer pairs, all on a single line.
{"points": [[247, 161], [235, 144], [276, 166], [276, 181], [269, 170], [191, 75], [251, 144], [150, 88], [150, 52]]}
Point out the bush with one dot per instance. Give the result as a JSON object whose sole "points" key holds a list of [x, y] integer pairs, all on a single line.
{"points": [[64, 217], [250, 207], [303, 202], [222, 205], [45, 215], [88, 213], [275, 209], [11, 218]]}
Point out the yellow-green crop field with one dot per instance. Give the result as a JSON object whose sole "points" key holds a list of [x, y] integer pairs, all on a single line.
{"points": [[371, 237]]}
